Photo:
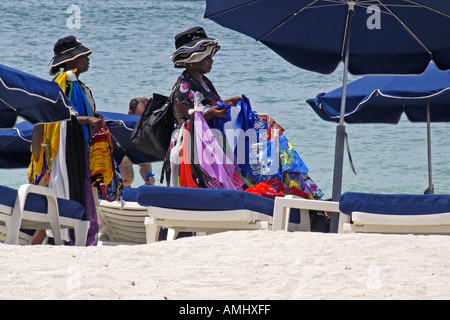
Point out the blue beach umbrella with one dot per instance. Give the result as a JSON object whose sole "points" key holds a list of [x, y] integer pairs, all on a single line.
{"points": [[385, 36], [34, 99], [15, 146], [383, 99], [368, 36], [15, 143]]}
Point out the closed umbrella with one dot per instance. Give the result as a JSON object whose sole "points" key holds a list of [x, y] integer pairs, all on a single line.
{"points": [[15, 143], [34, 99], [368, 36], [15, 146]]}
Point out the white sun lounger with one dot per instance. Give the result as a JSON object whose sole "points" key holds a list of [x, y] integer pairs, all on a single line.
{"points": [[401, 213], [122, 221], [35, 207], [204, 210], [202, 222]]}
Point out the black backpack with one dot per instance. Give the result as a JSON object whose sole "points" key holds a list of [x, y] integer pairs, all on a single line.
{"points": [[153, 131]]}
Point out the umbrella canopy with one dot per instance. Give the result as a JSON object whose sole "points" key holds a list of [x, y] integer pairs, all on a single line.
{"points": [[15, 146], [387, 36], [369, 36], [34, 99], [15, 143], [383, 99]]}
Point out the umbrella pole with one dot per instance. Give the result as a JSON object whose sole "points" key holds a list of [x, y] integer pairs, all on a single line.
{"points": [[430, 189], [340, 129]]}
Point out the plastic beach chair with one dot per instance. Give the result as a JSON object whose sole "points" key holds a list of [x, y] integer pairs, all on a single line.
{"points": [[35, 207], [396, 213], [122, 221], [282, 212], [204, 211]]}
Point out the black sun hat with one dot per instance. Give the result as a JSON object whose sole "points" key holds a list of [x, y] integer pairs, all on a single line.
{"points": [[190, 37], [68, 49]]}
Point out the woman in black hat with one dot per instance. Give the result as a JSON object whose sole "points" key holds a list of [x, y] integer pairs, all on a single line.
{"points": [[193, 90], [194, 52], [60, 150], [70, 55]]}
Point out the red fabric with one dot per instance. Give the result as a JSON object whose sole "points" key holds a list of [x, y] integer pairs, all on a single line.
{"points": [[185, 171], [274, 188]]}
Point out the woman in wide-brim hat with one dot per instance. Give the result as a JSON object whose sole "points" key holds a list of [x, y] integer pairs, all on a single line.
{"points": [[67, 49], [193, 91], [194, 52], [61, 150], [73, 57]]}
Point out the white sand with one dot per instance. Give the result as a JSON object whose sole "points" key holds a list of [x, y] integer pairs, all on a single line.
{"points": [[235, 265]]}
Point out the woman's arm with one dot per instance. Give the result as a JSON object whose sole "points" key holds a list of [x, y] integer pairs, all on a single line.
{"points": [[233, 101], [36, 140], [94, 122], [181, 112]]}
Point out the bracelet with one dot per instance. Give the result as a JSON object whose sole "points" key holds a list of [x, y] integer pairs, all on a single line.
{"points": [[183, 118]]}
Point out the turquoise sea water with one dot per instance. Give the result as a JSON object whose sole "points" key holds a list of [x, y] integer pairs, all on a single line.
{"points": [[132, 42]]}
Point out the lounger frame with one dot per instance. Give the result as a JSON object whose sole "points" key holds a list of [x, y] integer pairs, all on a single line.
{"points": [[122, 222], [282, 212], [400, 224], [14, 218], [202, 222]]}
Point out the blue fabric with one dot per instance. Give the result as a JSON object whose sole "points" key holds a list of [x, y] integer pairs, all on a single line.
{"points": [[38, 203], [15, 146], [312, 40], [67, 208], [395, 204], [8, 196], [82, 106], [293, 162], [202, 199], [129, 194], [46, 104], [243, 120], [383, 99]]}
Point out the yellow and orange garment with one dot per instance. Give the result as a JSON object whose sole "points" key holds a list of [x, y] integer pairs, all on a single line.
{"points": [[39, 171], [100, 157]]}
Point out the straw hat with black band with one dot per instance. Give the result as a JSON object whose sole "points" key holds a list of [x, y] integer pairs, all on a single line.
{"points": [[193, 45]]}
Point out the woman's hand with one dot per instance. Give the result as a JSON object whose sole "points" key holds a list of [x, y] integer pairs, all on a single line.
{"points": [[150, 182], [232, 101], [215, 111], [94, 122]]}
